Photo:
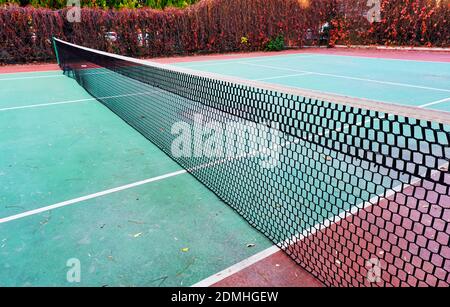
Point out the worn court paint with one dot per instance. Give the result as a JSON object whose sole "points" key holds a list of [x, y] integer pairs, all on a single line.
{"points": [[60, 152], [245, 72], [132, 238], [38, 88], [51, 154]]}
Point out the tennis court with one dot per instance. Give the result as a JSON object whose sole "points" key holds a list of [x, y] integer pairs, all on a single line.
{"points": [[77, 182]]}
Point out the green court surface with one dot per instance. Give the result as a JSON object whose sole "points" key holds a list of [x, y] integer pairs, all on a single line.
{"points": [[138, 236], [60, 147], [414, 83]]}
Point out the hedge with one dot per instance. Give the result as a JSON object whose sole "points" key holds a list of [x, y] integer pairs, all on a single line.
{"points": [[209, 26], [221, 26], [59, 4], [403, 23]]}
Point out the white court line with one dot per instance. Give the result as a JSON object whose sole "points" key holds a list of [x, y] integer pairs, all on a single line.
{"points": [[207, 63], [241, 265], [209, 281], [45, 104], [237, 267], [281, 77], [144, 93], [434, 103], [88, 197], [74, 101], [238, 60], [106, 192], [384, 59], [33, 77], [60, 75], [348, 77]]}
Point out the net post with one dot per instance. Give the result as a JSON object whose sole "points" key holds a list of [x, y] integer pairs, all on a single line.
{"points": [[56, 50]]}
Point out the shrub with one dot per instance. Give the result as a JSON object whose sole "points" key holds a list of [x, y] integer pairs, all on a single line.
{"points": [[208, 26], [276, 44], [220, 26], [59, 4]]}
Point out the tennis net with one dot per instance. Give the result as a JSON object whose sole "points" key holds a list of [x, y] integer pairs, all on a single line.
{"points": [[355, 191]]}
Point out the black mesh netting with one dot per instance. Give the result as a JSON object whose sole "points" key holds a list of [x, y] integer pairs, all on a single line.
{"points": [[356, 197]]}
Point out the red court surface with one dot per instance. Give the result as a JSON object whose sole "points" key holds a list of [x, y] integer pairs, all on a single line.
{"points": [[28, 68], [277, 270], [398, 232], [384, 233], [434, 56]]}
